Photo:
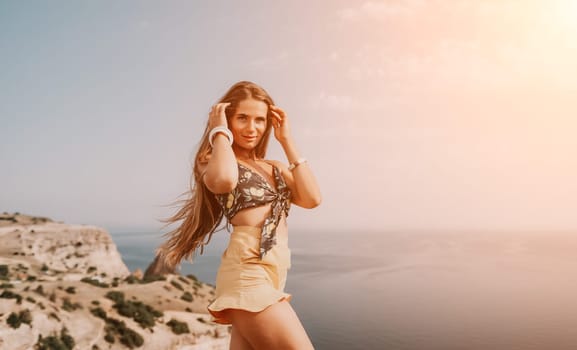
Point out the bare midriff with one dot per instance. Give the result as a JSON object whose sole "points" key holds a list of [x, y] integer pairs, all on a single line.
{"points": [[256, 216]]}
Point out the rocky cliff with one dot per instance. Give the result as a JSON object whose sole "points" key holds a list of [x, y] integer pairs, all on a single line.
{"points": [[66, 287]]}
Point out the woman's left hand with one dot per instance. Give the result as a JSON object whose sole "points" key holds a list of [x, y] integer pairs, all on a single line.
{"points": [[280, 124]]}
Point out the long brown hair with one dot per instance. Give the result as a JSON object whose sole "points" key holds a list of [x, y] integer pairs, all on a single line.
{"points": [[200, 212]]}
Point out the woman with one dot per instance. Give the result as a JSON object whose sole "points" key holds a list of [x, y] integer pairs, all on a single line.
{"points": [[233, 180]]}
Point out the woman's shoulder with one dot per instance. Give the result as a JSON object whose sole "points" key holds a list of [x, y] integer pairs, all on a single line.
{"points": [[276, 163], [284, 171]]}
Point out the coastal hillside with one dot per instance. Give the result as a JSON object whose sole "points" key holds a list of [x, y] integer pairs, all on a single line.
{"points": [[66, 287]]}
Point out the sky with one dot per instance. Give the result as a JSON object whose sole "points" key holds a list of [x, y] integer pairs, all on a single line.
{"points": [[414, 114]]}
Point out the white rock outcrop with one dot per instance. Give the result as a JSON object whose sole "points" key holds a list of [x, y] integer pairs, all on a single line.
{"points": [[74, 250], [67, 285]]}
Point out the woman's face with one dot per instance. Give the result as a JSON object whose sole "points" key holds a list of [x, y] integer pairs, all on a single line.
{"points": [[248, 124]]}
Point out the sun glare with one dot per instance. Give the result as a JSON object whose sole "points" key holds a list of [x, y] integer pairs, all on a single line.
{"points": [[565, 13]]}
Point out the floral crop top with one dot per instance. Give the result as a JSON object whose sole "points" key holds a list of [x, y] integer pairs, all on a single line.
{"points": [[254, 190]]}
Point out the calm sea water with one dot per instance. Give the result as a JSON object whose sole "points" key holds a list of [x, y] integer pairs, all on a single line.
{"points": [[418, 290]]}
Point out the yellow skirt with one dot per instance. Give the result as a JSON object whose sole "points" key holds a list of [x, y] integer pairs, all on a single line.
{"points": [[246, 282]]}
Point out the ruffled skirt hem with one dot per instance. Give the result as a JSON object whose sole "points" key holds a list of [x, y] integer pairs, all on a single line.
{"points": [[219, 306]]}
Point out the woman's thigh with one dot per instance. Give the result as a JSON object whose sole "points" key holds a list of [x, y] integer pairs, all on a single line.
{"points": [[237, 341], [276, 327]]}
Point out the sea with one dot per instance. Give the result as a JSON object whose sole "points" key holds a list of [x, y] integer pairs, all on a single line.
{"points": [[416, 290]]}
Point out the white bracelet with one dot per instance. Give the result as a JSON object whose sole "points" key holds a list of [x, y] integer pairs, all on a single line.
{"points": [[220, 129], [296, 163]]}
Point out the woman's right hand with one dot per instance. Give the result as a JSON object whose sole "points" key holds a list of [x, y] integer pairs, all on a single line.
{"points": [[217, 115]]}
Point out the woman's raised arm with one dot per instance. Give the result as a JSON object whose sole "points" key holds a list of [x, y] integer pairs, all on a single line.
{"points": [[300, 178], [220, 172]]}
